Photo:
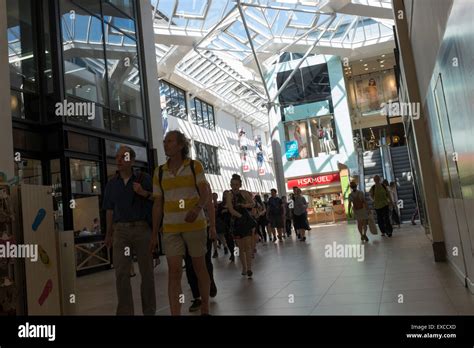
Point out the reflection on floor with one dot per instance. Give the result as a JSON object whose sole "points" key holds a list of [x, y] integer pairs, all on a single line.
{"points": [[295, 278]]}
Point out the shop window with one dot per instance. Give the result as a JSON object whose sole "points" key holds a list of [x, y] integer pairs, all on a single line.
{"points": [[311, 138], [111, 148], [207, 155], [21, 42], [127, 125], [24, 105], [203, 114], [29, 171], [84, 112], [55, 167], [123, 72], [173, 101], [82, 143], [86, 190], [83, 53]]}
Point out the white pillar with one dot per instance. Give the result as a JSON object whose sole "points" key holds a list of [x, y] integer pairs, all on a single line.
{"points": [[150, 83], [6, 134], [277, 139]]}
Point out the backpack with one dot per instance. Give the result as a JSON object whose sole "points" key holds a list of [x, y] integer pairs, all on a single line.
{"points": [[358, 202], [275, 206]]}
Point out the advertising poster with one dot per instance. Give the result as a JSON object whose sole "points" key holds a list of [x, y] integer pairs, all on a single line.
{"points": [[243, 150], [369, 93], [291, 150], [259, 152], [297, 132]]}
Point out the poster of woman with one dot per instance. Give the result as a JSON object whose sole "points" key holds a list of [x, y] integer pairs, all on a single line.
{"points": [[297, 132], [369, 93]]}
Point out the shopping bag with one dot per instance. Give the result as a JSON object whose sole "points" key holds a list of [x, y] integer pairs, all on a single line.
{"points": [[372, 225]]}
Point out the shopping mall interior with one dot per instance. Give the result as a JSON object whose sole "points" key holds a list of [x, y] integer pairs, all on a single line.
{"points": [[285, 93]]}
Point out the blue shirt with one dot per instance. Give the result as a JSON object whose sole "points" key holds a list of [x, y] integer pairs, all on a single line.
{"points": [[127, 205]]}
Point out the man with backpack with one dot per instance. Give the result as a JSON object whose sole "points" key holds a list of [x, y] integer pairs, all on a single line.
{"points": [[358, 205], [276, 215], [181, 193], [128, 202], [382, 199]]}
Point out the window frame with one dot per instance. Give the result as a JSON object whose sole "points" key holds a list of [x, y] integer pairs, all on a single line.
{"points": [[198, 117]]}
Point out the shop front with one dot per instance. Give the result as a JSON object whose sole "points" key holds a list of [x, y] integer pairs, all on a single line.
{"points": [[324, 196]]}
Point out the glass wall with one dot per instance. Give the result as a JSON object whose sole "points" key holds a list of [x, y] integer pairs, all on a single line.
{"points": [[310, 138], [102, 65]]}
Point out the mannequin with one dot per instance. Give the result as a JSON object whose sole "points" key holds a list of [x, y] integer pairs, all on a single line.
{"points": [[321, 139], [332, 146]]}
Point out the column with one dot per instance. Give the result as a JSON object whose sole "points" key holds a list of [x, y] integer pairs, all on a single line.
{"points": [[421, 134], [6, 137], [150, 81]]}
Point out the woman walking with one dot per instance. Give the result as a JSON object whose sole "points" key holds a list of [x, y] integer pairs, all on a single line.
{"points": [[239, 202], [300, 217]]}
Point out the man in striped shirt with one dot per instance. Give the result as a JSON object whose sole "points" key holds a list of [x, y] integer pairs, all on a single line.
{"points": [[180, 194]]}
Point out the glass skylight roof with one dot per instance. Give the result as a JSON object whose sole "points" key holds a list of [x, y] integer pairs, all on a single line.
{"points": [[217, 35]]}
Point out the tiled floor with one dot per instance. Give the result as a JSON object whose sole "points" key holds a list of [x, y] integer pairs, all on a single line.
{"points": [[397, 277]]}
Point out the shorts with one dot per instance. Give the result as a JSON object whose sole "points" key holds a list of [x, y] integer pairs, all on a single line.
{"points": [[361, 214], [276, 221], [176, 243]]}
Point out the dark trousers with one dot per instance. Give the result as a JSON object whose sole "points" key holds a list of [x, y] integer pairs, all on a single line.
{"points": [[230, 242], [191, 275], [288, 227], [383, 220], [262, 228]]}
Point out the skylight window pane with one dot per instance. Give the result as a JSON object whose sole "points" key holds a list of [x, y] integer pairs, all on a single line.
{"points": [[192, 9]]}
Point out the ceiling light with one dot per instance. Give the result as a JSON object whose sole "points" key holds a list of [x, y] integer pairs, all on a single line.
{"points": [[381, 65], [361, 60], [383, 60], [383, 55], [365, 64], [366, 69]]}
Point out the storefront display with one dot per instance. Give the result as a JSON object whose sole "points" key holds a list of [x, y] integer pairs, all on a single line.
{"points": [[324, 196]]}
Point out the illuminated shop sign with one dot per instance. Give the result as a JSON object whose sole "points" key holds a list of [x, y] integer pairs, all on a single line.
{"points": [[314, 180]]}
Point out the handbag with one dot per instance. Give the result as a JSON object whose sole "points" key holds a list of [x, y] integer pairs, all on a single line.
{"points": [[243, 226], [372, 225]]}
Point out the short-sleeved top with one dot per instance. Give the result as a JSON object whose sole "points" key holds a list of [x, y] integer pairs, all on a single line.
{"points": [[180, 196], [356, 195], [299, 205], [381, 197], [128, 206]]}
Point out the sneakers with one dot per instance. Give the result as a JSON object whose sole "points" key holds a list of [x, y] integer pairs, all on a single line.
{"points": [[249, 274], [213, 291], [215, 255], [196, 305]]}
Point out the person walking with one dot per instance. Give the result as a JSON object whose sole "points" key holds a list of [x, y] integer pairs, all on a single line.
{"points": [[190, 273], [394, 210], [239, 202], [261, 219], [300, 215], [276, 215], [181, 193], [288, 216], [358, 205], [381, 198], [128, 205], [223, 219]]}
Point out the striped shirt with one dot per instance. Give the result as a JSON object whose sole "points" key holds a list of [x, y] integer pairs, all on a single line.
{"points": [[180, 196]]}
